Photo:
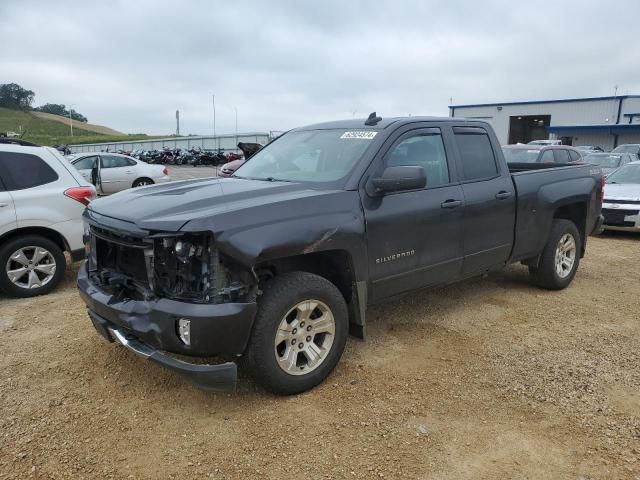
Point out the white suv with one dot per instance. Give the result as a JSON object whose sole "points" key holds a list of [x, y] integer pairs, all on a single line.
{"points": [[42, 198]]}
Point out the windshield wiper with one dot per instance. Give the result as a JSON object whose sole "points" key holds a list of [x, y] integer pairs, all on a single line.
{"points": [[267, 179]]}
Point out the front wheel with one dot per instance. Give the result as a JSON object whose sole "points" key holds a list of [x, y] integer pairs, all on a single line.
{"points": [[31, 265], [560, 257], [299, 333]]}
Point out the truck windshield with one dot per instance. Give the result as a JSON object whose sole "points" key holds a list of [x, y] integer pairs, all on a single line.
{"points": [[309, 156], [520, 155], [630, 173]]}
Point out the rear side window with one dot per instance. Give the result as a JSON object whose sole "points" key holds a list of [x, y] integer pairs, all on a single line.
{"points": [[109, 161], [22, 170], [575, 156], [562, 156], [476, 155]]}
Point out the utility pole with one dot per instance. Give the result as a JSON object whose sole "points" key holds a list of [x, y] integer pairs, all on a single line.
{"points": [[215, 139], [236, 109], [70, 120], [177, 123]]}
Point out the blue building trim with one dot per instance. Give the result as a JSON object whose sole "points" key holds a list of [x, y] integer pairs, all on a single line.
{"points": [[604, 128], [535, 102]]}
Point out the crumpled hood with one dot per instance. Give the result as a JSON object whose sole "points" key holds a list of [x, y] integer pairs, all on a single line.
{"points": [[172, 206], [621, 191]]}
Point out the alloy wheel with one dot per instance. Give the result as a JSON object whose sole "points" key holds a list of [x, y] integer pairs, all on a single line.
{"points": [[304, 337], [565, 255], [31, 267]]}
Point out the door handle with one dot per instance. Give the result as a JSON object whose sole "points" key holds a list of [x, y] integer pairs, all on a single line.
{"points": [[503, 195], [3, 205], [451, 203]]}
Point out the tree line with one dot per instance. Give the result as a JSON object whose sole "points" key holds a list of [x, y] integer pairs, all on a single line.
{"points": [[15, 97]]}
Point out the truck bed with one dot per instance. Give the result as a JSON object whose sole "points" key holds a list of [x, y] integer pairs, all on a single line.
{"points": [[541, 188]]}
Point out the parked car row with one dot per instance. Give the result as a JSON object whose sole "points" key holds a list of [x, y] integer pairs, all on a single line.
{"points": [[112, 172], [541, 153], [620, 167], [631, 148]]}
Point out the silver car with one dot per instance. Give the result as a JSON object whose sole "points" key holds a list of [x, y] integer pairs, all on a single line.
{"points": [[608, 162], [112, 172], [621, 204]]}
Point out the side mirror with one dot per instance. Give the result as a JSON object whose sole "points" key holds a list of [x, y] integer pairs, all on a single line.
{"points": [[397, 179]]}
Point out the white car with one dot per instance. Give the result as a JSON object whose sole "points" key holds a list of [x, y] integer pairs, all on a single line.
{"points": [[112, 172], [621, 203], [42, 198], [545, 142]]}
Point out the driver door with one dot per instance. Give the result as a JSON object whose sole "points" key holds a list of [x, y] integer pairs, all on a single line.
{"points": [[415, 237]]}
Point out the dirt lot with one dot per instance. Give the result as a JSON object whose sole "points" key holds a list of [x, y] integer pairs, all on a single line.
{"points": [[490, 379]]}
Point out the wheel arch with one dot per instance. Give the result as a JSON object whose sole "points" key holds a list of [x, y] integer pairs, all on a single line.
{"points": [[337, 266], [577, 213], [142, 178], [48, 233]]}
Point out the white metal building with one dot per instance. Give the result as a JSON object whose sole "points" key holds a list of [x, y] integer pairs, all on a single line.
{"points": [[603, 121], [225, 143]]}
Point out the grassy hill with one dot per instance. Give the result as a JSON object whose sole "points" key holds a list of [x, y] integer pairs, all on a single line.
{"points": [[47, 129]]}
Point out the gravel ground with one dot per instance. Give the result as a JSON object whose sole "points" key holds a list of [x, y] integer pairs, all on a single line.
{"points": [[488, 379]]}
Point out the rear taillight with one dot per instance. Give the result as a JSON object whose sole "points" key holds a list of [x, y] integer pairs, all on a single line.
{"points": [[84, 195], [165, 172]]}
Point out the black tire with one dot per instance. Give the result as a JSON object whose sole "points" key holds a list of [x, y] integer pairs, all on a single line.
{"points": [[12, 246], [142, 181], [280, 296], [545, 274]]}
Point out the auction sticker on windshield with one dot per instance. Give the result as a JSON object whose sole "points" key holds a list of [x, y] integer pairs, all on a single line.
{"points": [[363, 135]]}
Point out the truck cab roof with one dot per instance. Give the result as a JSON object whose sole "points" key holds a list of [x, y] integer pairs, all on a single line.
{"points": [[359, 123]]}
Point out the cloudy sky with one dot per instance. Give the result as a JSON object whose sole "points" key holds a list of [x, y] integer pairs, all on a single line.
{"points": [[130, 64]]}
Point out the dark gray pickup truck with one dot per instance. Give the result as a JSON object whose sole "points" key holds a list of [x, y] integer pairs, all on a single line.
{"points": [[274, 266]]}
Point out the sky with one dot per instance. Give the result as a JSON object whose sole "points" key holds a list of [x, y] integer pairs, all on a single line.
{"points": [[129, 65]]}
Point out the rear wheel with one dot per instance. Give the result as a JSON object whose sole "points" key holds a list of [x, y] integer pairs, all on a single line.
{"points": [[30, 266], [299, 333], [142, 182], [560, 257]]}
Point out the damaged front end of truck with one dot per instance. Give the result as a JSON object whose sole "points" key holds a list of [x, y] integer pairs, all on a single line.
{"points": [[169, 294]]}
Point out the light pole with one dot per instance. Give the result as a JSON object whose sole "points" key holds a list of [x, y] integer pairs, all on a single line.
{"points": [[70, 120], [236, 109]]}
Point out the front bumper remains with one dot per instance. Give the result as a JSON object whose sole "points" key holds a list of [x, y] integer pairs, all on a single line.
{"points": [[215, 378], [148, 328]]}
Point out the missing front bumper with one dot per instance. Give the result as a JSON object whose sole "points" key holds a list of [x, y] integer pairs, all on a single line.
{"points": [[215, 378]]}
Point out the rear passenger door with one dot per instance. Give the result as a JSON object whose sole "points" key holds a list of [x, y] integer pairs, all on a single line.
{"points": [[489, 201], [7, 211], [35, 187]]}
